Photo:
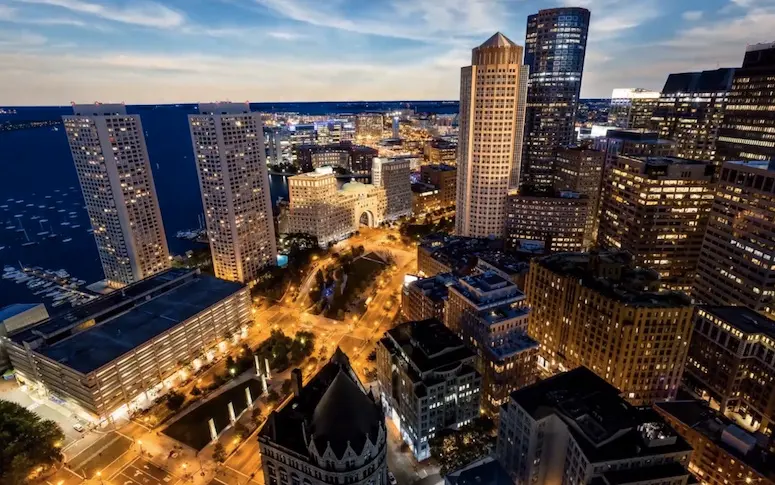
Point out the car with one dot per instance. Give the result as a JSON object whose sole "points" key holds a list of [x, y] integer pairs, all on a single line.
{"points": [[392, 478], [78, 427]]}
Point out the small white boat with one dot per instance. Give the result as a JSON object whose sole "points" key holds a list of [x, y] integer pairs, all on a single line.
{"points": [[67, 240]]}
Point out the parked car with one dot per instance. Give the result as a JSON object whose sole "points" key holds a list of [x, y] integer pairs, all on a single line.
{"points": [[78, 427], [392, 478]]}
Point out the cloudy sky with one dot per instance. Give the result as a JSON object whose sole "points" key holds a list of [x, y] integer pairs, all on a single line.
{"points": [[146, 51]]}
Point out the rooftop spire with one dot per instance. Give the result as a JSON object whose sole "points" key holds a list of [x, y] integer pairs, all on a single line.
{"points": [[498, 40]]}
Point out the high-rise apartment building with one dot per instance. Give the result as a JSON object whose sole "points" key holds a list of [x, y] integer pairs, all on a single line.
{"points": [[108, 148], [737, 261], [632, 108], [580, 170], [555, 47], [748, 129], [657, 209], [493, 90], [231, 162], [690, 111], [731, 363], [428, 381], [489, 313], [600, 311], [392, 175], [369, 127], [547, 223], [574, 428]]}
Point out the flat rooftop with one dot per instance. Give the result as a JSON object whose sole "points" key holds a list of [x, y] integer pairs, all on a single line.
{"points": [[488, 288], [435, 288], [457, 252], [14, 309], [502, 313], [757, 164], [429, 345], [514, 344], [742, 318], [507, 263], [125, 319]]}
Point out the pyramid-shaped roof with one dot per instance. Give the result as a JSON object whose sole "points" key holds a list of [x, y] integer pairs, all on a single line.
{"points": [[498, 40]]}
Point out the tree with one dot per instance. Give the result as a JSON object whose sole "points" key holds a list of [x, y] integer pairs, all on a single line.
{"points": [[453, 449], [175, 400], [256, 414], [219, 453], [272, 396], [286, 388], [28, 443], [241, 430]]}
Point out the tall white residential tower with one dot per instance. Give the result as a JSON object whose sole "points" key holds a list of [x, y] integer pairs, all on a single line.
{"points": [[493, 91], [108, 148], [234, 180]]}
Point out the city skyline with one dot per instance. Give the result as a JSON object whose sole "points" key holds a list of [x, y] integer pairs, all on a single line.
{"points": [[267, 50]]}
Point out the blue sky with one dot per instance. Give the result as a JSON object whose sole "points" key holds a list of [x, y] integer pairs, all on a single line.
{"points": [[153, 51]]}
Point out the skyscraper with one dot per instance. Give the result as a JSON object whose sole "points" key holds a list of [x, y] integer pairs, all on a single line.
{"points": [[555, 46], [492, 111], [229, 147], [108, 148], [580, 170], [631, 108], [392, 174], [748, 129]]}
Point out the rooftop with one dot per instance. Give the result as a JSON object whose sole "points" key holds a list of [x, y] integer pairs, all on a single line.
{"points": [[15, 309], [498, 40], [604, 425], [224, 108], [430, 346], [711, 424], [514, 343], [435, 288], [510, 264], [458, 253], [743, 319], [486, 288], [483, 472], [92, 335], [768, 165]]}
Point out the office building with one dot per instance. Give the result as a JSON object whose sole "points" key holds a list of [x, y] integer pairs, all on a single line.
{"points": [[731, 365], [355, 158], [580, 170], [555, 47], [229, 148], [512, 266], [632, 108], [748, 129], [111, 159], [317, 207], [574, 428], [277, 145], [440, 151], [600, 311], [299, 136], [330, 430], [547, 223], [15, 318], [737, 260], [392, 175], [723, 451], [657, 208], [425, 199], [489, 313], [690, 111], [632, 143], [428, 381], [116, 354], [492, 107], [450, 254], [369, 127], [444, 177], [425, 298]]}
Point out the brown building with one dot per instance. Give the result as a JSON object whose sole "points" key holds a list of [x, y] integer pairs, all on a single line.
{"points": [[724, 454], [599, 311], [737, 263], [425, 199], [580, 170], [355, 158], [425, 298], [448, 254], [657, 209], [633, 143], [731, 364], [440, 151], [443, 177], [547, 223], [369, 127]]}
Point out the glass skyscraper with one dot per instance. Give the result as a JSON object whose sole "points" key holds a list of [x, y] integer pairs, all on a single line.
{"points": [[555, 46]]}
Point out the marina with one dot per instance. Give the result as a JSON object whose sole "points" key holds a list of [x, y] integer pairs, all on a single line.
{"points": [[57, 286]]}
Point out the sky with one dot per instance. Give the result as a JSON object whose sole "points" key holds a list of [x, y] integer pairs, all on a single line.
{"points": [[53, 52]]}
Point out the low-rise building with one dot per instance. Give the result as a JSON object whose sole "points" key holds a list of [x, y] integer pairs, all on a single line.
{"points": [[446, 254], [355, 158], [509, 265], [15, 318], [428, 380], [426, 198], [425, 298], [117, 353], [550, 223], [440, 151], [574, 428], [723, 453], [330, 431], [443, 177]]}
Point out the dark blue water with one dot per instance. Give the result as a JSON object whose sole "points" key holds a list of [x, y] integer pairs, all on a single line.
{"points": [[37, 174]]}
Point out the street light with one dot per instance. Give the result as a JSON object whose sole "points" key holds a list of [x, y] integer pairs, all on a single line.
{"points": [[99, 475], [140, 442]]}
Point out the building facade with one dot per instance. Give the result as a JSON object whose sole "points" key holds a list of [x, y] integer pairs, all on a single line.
{"points": [[443, 177], [440, 151], [392, 175], [632, 108], [737, 261], [599, 311], [574, 428], [555, 47], [690, 111], [580, 170], [111, 159], [369, 127], [731, 364], [355, 158], [428, 381], [547, 223], [15, 318], [331, 431], [632, 143], [657, 209], [748, 129], [116, 354], [234, 182], [426, 298], [492, 112]]}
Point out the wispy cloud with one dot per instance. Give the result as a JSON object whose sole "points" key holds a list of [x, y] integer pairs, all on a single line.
{"points": [[143, 13], [692, 15]]}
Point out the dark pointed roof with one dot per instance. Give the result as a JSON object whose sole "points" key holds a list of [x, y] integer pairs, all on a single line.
{"points": [[498, 40], [344, 414]]}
